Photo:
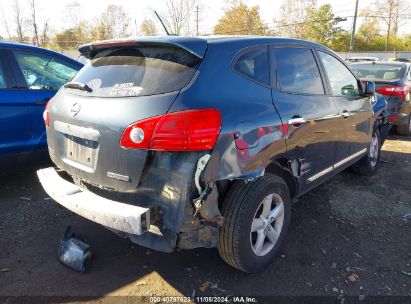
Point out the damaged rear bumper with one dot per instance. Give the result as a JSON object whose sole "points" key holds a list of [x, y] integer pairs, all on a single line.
{"points": [[122, 217]]}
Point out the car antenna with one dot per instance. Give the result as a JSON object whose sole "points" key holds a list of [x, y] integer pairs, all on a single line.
{"points": [[161, 21]]}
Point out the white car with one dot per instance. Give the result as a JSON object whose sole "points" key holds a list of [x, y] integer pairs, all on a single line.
{"points": [[361, 59]]}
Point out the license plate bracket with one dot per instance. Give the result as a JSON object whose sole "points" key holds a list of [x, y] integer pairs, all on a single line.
{"points": [[80, 151]]}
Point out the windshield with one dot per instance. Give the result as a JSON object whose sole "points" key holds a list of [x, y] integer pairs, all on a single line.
{"points": [[378, 72], [137, 71]]}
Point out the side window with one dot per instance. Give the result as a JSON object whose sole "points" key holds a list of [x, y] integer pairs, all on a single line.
{"points": [[44, 72], [297, 71], [342, 81], [2, 77], [255, 65]]}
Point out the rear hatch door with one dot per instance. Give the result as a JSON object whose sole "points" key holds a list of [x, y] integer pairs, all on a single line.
{"points": [[128, 83]]}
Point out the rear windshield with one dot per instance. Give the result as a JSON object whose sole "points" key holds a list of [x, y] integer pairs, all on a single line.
{"points": [[378, 72], [137, 71]]}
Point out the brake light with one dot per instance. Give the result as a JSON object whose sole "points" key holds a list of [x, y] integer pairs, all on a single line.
{"points": [[192, 130], [393, 118], [400, 91], [46, 113]]}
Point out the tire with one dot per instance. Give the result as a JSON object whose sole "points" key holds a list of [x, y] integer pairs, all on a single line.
{"points": [[369, 164], [405, 129], [243, 206]]}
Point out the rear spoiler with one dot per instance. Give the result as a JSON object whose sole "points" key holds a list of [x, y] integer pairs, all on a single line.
{"points": [[195, 46]]}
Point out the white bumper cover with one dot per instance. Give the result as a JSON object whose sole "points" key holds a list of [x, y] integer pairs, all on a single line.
{"points": [[115, 215]]}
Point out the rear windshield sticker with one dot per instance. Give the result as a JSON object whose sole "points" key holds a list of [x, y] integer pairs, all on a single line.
{"points": [[125, 90]]}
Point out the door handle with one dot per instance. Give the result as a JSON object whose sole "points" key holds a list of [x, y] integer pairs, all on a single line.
{"points": [[296, 121], [42, 102], [345, 114]]}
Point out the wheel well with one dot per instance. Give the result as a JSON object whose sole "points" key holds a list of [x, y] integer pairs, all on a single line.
{"points": [[279, 167]]}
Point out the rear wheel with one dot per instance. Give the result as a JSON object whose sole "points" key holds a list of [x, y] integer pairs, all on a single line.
{"points": [[405, 129], [369, 164], [257, 216]]}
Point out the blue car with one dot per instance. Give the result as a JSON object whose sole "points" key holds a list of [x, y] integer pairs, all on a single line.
{"points": [[29, 77]]}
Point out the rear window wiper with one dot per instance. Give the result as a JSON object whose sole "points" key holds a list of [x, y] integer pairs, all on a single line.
{"points": [[78, 86]]}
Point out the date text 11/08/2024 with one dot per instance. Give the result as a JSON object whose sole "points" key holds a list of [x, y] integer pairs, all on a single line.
{"points": [[205, 299]]}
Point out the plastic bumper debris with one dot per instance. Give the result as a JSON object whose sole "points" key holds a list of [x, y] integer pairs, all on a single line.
{"points": [[73, 252]]}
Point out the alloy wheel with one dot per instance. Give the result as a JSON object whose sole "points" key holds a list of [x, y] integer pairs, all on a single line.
{"points": [[374, 150], [267, 224]]}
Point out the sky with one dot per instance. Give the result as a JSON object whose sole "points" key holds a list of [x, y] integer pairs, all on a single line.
{"points": [[211, 11]]}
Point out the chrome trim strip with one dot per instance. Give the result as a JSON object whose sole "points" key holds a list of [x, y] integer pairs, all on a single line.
{"points": [[336, 165], [296, 121], [345, 160], [319, 174], [77, 131], [329, 117]]}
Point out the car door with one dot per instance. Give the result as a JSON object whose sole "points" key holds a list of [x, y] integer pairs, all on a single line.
{"points": [[355, 110], [14, 115], [309, 115], [40, 75]]}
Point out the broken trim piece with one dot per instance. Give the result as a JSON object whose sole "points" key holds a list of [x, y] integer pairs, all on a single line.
{"points": [[201, 164], [115, 215], [73, 252]]}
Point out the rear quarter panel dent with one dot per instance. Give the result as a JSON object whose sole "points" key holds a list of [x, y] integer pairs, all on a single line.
{"points": [[239, 100]]}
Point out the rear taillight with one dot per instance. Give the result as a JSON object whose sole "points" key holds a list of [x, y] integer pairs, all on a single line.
{"points": [[46, 113], [193, 130], [400, 91], [393, 118], [128, 139]]}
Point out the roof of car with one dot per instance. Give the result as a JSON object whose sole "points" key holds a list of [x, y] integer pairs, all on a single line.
{"points": [[217, 39], [196, 44], [35, 48], [362, 57], [224, 38], [399, 63]]}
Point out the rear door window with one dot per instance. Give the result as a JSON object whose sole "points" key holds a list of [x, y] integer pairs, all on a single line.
{"points": [[297, 71], [42, 71], [138, 71], [342, 81], [254, 64]]}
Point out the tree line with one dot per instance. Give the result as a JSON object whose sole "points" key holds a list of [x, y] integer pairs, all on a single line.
{"points": [[303, 19]]}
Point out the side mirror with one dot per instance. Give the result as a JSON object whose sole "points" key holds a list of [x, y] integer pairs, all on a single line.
{"points": [[348, 90], [369, 88]]}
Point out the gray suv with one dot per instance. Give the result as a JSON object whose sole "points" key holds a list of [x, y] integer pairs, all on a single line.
{"points": [[179, 142]]}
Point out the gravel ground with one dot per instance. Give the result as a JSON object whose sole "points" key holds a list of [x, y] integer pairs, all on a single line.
{"points": [[350, 238]]}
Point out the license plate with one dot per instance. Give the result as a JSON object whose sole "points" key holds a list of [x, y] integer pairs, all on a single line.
{"points": [[80, 150]]}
